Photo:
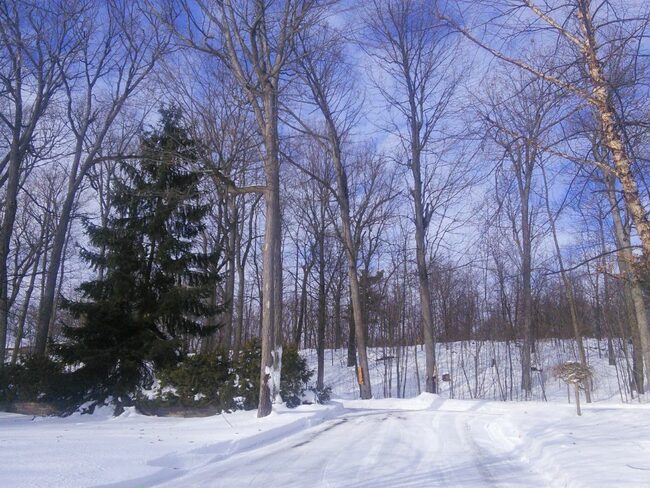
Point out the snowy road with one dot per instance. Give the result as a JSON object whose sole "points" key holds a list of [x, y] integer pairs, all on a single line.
{"points": [[379, 448]]}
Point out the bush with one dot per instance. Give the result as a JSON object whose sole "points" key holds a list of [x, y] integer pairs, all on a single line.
{"points": [[247, 375], [199, 380], [324, 395], [213, 380], [196, 381], [38, 380], [295, 376]]}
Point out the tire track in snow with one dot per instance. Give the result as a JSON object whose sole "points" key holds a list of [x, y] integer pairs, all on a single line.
{"points": [[435, 456], [499, 457], [479, 455], [379, 448]]}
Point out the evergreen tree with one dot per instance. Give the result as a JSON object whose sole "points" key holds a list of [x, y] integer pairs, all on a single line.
{"points": [[154, 287]]}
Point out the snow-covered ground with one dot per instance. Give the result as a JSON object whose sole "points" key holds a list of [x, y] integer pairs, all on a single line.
{"points": [[480, 370], [426, 440]]}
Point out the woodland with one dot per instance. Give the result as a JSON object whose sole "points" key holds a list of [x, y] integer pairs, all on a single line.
{"points": [[198, 190]]}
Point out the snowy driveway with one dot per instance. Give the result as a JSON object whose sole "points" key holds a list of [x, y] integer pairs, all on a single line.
{"points": [[378, 448], [426, 441]]}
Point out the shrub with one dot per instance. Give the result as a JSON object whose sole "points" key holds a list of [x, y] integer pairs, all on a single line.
{"points": [[204, 380], [295, 376], [199, 380], [247, 375], [38, 380], [324, 395]]}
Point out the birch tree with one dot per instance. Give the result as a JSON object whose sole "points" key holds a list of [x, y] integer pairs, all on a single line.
{"points": [[584, 37]]}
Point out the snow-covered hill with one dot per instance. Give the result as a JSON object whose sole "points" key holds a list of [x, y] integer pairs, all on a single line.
{"points": [[479, 370]]}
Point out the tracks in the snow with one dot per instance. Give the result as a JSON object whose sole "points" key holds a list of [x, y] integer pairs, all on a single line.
{"points": [[377, 449], [333, 424]]}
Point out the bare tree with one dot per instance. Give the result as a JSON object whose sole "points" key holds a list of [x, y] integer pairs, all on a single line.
{"points": [[115, 60], [254, 40], [37, 44], [313, 208], [568, 286], [419, 58], [529, 113], [222, 124], [330, 91], [44, 193], [584, 36]]}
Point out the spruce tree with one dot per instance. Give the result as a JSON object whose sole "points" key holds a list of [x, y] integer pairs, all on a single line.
{"points": [[154, 288]]}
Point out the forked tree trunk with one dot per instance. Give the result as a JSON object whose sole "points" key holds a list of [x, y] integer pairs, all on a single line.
{"points": [[6, 230], [48, 299]]}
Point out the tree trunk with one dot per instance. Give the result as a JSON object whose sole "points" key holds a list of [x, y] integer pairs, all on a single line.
{"points": [[568, 287], [352, 347], [6, 230], [271, 272], [233, 228], [278, 338], [633, 290], [322, 314], [612, 139], [430, 385], [607, 314], [526, 271], [46, 307], [302, 306], [25, 309], [337, 315], [240, 310], [208, 344], [363, 379]]}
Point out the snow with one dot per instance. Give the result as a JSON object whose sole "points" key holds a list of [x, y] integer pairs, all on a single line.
{"points": [[426, 440], [470, 365]]}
